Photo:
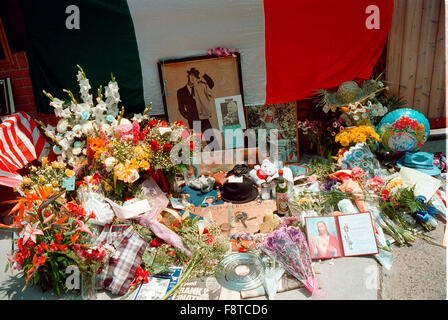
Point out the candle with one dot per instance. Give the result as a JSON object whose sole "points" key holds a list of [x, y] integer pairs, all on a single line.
{"points": [[268, 215]]}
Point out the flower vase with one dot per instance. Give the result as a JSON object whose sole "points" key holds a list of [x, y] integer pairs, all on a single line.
{"points": [[88, 285]]}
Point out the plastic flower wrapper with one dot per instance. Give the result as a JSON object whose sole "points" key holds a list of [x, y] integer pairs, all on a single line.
{"points": [[272, 274], [94, 201], [158, 202], [288, 246]]}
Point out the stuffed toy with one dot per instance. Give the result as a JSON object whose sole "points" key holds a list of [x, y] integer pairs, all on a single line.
{"points": [[264, 173]]}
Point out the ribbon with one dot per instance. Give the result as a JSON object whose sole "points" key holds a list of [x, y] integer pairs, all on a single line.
{"points": [[159, 178]]}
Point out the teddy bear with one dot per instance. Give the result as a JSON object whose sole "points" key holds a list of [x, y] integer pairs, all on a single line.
{"points": [[265, 172]]}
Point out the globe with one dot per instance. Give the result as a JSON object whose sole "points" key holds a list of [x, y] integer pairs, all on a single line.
{"points": [[403, 130]]}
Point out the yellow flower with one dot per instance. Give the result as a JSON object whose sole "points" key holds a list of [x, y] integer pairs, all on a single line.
{"points": [[42, 178], [48, 188], [55, 184], [144, 165], [27, 180], [57, 164], [69, 173], [44, 161]]}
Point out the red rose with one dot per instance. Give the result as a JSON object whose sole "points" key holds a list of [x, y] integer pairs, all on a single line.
{"points": [[63, 247], [164, 124], [153, 123], [154, 145], [167, 147], [191, 145], [179, 123]]}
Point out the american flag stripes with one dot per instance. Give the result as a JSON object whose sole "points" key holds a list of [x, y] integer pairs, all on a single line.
{"points": [[20, 143]]}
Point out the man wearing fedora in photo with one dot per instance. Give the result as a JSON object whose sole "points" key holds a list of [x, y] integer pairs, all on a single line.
{"points": [[421, 161], [195, 99]]}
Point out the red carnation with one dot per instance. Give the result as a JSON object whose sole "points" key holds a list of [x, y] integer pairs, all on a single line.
{"points": [[179, 123], [164, 124]]}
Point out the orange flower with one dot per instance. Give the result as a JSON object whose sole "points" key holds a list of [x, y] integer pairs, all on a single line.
{"points": [[30, 273], [96, 143], [37, 261], [74, 237]]}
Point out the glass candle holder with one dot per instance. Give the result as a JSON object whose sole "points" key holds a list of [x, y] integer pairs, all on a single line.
{"points": [[265, 191]]}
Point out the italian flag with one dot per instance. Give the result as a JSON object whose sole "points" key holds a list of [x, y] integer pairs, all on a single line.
{"points": [[289, 48]]}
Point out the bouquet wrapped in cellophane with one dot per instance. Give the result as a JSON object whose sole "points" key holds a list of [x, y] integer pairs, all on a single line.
{"points": [[288, 246]]}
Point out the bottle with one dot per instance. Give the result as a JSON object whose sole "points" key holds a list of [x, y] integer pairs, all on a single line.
{"points": [[281, 195]]}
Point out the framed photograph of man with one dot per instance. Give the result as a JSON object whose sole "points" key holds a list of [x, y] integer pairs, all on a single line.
{"points": [[281, 117], [6, 57], [196, 89]]}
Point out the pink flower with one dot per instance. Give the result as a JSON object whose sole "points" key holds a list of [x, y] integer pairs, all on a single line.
{"points": [[375, 183], [311, 179], [357, 172], [31, 231]]}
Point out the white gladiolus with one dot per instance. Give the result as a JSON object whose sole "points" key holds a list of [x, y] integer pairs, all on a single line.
{"points": [[56, 103], [64, 144], [65, 113], [70, 136], [62, 125]]}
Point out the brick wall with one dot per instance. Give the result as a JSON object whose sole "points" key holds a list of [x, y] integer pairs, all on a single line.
{"points": [[22, 89]]}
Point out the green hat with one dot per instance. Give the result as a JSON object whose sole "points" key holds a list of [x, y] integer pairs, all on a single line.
{"points": [[349, 93]]}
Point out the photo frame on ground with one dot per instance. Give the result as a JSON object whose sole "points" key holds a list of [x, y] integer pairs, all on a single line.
{"points": [[208, 89], [282, 117]]}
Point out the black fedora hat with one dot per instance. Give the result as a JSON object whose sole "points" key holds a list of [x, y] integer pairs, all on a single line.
{"points": [[194, 72], [236, 192]]}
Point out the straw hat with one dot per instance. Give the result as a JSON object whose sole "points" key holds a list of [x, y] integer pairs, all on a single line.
{"points": [[350, 93]]}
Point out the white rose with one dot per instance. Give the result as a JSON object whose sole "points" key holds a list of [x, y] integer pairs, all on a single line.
{"points": [[76, 151], [110, 163], [87, 127], [125, 122]]}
